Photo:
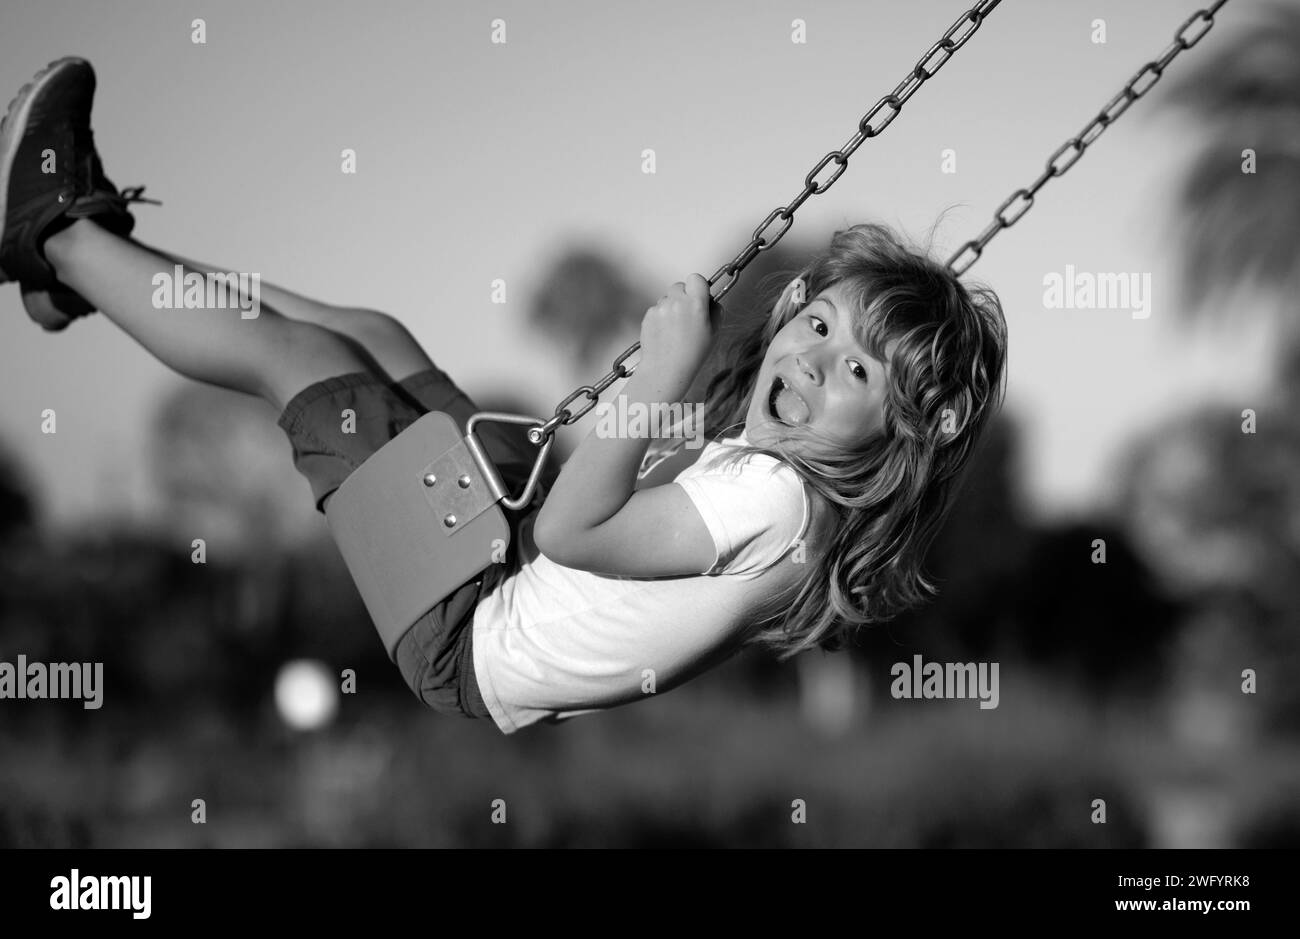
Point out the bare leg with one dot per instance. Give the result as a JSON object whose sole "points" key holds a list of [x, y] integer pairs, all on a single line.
{"points": [[271, 356], [390, 346]]}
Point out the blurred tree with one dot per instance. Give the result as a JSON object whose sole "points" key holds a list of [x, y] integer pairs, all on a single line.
{"points": [[224, 473], [17, 512], [1216, 514], [592, 308], [587, 303], [1237, 228], [1108, 625], [1217, 509], [979, 554]]}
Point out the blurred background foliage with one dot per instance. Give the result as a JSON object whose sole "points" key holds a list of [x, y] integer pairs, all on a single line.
{"points": [[1119, 681]]}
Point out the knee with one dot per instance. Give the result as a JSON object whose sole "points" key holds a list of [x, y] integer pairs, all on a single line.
{"points": [[292, 354], [309, 342], [374, 327]]}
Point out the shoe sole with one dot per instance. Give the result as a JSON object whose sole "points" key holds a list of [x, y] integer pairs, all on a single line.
{"points": [[14, 123]]}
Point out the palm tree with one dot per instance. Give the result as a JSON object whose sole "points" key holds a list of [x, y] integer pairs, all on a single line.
{"points": [[1237, 228], [17, 511], [1214, 509]]}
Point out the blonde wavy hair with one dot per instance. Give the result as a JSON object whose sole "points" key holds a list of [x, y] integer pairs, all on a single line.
{"points": [[892, 493]]}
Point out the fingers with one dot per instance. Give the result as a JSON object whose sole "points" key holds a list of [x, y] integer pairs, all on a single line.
{"points": [[695, 286]]}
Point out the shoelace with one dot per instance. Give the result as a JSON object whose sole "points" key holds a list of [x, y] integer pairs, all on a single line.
{"points": [[134, 194]]}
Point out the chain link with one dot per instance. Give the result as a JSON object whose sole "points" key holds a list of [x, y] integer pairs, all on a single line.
{"points": [[925, 69], [1069, 153], [1020, 202]]}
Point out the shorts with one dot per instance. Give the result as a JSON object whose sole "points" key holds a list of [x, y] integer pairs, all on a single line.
{"points": [[435, 656]]}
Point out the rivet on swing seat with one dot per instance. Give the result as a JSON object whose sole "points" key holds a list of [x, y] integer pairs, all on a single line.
{"points": [[420, 518]]}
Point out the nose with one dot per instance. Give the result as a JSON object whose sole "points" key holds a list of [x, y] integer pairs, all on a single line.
{"points": [[813, 374]]}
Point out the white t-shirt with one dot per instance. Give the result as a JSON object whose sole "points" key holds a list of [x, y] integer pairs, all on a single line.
{"points": [[552, 642]]}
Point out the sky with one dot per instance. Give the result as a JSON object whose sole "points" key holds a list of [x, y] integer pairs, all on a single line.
{"points": [[479, 160]]}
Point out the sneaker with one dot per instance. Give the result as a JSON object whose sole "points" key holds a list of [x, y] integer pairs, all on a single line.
{"points": [[48, 127]]}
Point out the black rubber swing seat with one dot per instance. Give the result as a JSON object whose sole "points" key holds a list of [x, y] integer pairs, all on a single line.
{"points": [[421, 517]]}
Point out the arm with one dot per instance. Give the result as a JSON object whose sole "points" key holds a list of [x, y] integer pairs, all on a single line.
{"points": [[667, 469], [594, 518]]}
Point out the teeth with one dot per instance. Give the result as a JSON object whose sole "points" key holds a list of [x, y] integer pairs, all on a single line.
{"points": [[777, 386], [795, 401]]}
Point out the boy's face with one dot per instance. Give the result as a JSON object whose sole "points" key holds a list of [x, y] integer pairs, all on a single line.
{"points": [[816, 374]]}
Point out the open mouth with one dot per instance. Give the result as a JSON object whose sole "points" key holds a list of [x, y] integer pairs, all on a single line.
{"points": [[785, 405]]}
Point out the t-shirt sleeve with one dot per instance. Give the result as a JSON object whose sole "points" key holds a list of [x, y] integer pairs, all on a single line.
{"points": [[754, 510]]}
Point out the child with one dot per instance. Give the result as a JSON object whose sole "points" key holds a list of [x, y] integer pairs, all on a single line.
{"points": [[838, 431]]}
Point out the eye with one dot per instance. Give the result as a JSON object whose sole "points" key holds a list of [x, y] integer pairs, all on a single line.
{"points": [[858, 370], [818, 319]]}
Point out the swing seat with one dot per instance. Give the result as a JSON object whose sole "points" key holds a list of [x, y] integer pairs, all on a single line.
{"points": [[420, 518]]}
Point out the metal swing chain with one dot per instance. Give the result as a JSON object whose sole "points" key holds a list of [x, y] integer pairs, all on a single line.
{"points": [[1006, 215], [1068, 154], [952, 40]]}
